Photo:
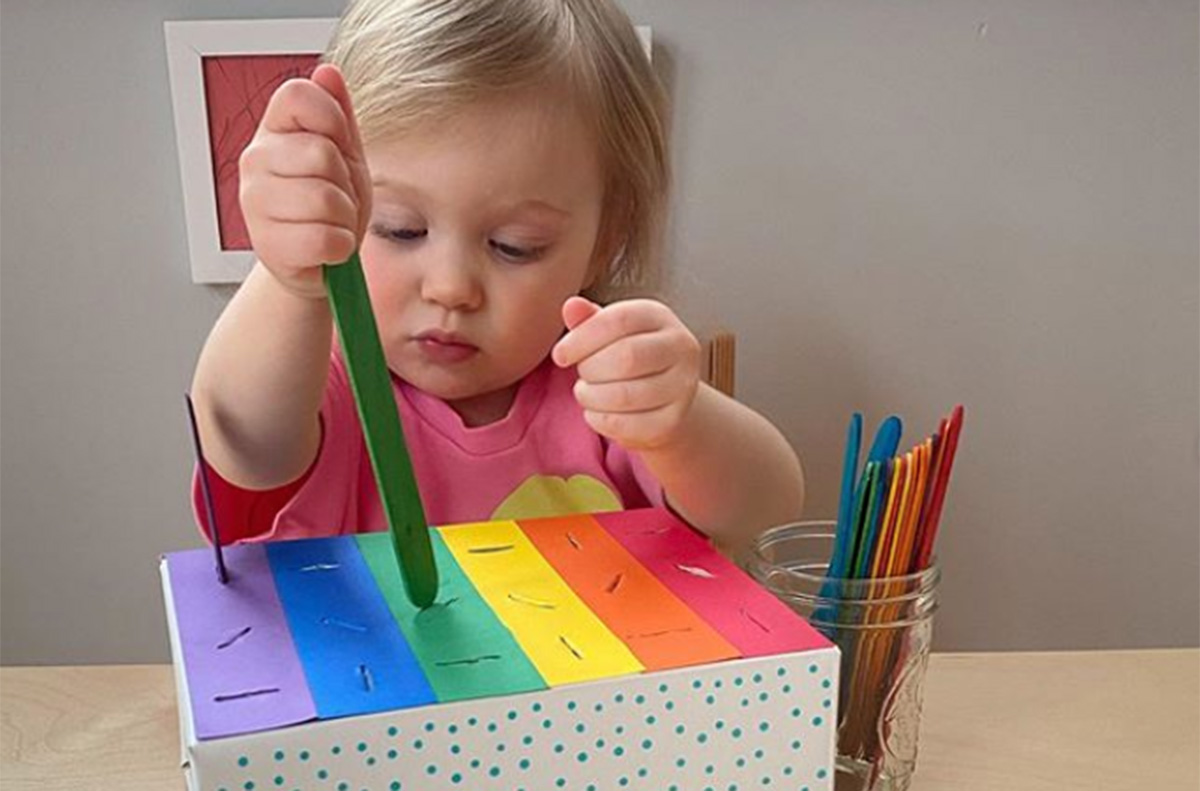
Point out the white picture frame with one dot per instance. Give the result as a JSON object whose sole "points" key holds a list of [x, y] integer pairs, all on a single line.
{"points": [[189, 43]]}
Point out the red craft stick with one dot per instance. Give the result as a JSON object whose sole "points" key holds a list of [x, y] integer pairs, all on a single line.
{"points": [[950, 445]]}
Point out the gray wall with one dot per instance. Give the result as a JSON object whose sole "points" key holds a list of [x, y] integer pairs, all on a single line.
{"points": [[896, 205]]}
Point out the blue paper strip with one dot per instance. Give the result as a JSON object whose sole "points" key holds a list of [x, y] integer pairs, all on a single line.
{"points": [[354, 656]]}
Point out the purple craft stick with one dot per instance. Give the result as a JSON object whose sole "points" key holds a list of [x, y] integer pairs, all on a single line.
{"points": [[202, 465], [238, 681]]}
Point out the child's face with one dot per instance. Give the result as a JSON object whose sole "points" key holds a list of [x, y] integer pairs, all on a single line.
{"points": [[481, 228]]}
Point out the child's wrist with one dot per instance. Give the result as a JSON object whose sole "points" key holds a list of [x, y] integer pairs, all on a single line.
{"points": [[681, 436], [310, 293]]}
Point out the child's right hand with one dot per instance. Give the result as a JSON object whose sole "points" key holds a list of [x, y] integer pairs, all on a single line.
{"points": [[305, 190]]}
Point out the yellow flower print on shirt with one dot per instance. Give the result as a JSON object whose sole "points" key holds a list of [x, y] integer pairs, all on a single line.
{"points": [[551, 495]]}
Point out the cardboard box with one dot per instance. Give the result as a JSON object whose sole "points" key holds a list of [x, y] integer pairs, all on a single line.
{"points": [[765, 719]]}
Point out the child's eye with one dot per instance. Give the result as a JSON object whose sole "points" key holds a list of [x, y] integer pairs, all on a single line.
{"points": [[399, 234], [516, 254]]}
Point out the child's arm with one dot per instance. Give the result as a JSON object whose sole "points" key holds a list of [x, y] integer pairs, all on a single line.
{"points": [[724, 467], [730, 472], [259, 382], [305, 195]]}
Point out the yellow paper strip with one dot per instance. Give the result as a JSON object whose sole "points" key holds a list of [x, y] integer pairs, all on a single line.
{"points": [[563, 638]]}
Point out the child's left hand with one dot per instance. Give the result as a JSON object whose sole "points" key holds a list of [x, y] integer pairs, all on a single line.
{"points": [[639, 368]]}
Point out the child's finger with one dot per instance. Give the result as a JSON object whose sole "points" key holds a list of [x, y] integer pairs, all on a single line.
{"points": [[303, 106], [630, 395], [313, 200], [577, 310], [632, 357], [604, 327], [303, 155], [634, 430], [297, 245]]}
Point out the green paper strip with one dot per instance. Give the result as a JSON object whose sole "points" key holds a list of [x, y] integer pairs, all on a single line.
{"points": [[462, 647], [372, 386]]}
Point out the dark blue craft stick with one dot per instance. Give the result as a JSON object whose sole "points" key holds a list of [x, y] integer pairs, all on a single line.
{"points": [[202, 466]]}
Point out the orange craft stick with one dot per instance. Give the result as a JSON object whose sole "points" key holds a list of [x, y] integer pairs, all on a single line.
{"points": [[887, 531], [895, 561], [924, 462], [908, 560]]}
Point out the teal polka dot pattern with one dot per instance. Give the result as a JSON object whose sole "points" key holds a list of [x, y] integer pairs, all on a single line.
{"points": [[746, 724]]}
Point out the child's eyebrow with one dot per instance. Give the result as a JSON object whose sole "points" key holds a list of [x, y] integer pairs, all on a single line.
{"points": [[527, 205], [539, 206], [383, 182]]}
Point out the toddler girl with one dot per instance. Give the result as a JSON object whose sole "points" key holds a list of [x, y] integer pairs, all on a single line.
{"points": [[502, 166]]}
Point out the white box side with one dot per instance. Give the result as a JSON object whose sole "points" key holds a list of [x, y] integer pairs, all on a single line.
{"points": [[734, 723], [182, 695]]}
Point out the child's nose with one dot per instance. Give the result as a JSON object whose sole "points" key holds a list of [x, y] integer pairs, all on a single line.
{"points": [[451, 280]]}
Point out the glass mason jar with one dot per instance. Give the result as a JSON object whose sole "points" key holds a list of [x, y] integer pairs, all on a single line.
{"points": [[883, 628]]}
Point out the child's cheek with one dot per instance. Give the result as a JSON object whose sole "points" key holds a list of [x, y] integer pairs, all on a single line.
{"points": [[384, 278]]}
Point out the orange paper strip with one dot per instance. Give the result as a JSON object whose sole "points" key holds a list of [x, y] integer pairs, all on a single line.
{"points": [[660, 630]]}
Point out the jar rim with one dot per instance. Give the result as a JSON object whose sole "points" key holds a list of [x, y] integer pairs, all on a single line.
{"points": [[827, 528]]}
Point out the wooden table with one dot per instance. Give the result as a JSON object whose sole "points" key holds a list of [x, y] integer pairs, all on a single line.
{"points": [[1027, 721]]}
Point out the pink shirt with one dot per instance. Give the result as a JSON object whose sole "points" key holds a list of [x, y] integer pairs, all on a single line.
{"points": [[542, 459]]}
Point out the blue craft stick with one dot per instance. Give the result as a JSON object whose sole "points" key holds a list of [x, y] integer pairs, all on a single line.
{"points": [[848, 553], [854, 504], [887, 439], [883, 447], [842, 535], [850, 548]]}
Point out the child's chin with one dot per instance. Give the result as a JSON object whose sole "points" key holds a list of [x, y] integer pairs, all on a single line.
{"points": [[450, 385]]}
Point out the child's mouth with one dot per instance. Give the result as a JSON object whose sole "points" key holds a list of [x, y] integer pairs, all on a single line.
{"points": [[444, 347]]}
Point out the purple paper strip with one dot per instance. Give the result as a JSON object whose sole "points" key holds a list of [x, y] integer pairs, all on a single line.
{"points": [[243, 674]]}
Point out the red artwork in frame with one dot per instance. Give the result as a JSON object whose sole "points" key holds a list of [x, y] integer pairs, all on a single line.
{"points": [[236, 91]]}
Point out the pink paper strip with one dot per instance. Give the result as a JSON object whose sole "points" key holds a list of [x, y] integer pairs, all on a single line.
{"points": [[745, 614], [243, 674]]}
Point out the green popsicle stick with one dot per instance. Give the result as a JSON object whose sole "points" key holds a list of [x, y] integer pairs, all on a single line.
{"points": [[372, 386], [448, 641]]}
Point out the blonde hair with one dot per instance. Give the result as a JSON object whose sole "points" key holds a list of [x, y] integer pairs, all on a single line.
{"points": [[408, 62]]}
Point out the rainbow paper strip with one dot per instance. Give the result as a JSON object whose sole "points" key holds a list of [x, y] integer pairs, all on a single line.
{"points": [[321, 628], [660, 630]]}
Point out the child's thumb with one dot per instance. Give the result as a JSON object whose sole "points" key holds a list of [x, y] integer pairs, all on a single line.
{"points": [[577, 310]]}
